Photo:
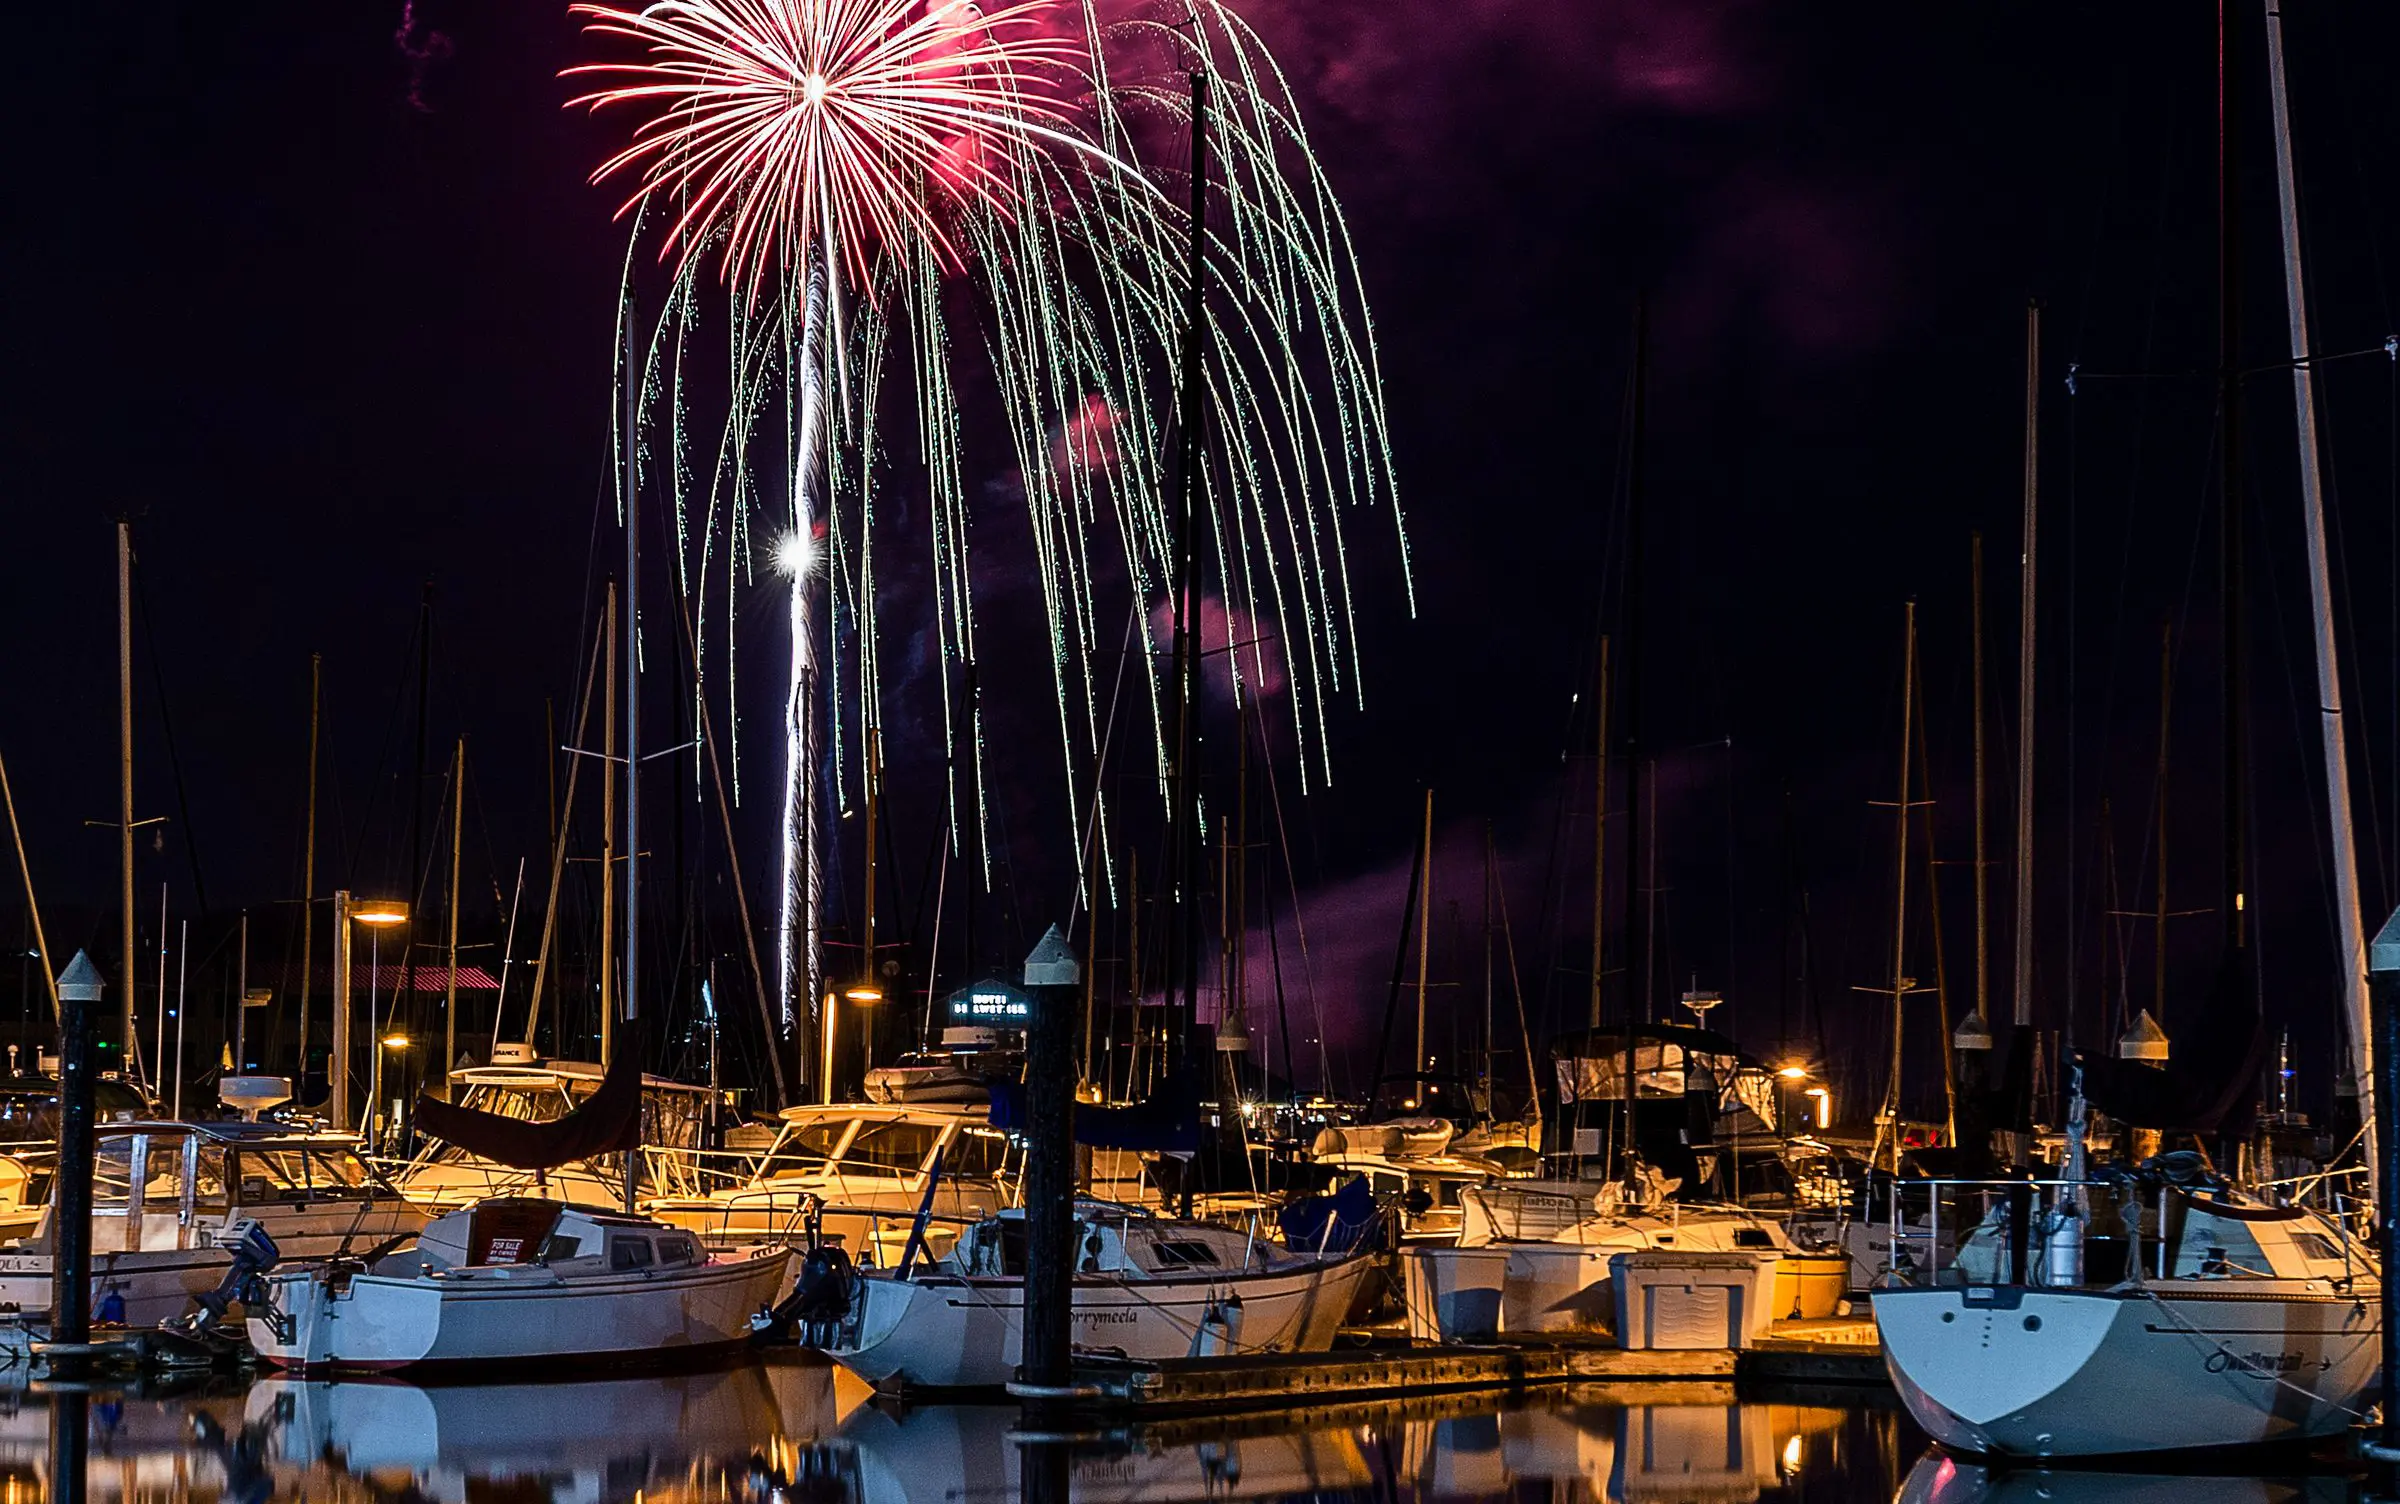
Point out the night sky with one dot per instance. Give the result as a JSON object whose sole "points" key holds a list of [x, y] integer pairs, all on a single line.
{"points": [[321, 297]]}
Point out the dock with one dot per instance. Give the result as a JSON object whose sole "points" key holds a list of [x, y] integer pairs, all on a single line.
{"points": [[1827, 1352]]}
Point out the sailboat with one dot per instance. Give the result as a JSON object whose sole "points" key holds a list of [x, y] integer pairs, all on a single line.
{"points": [[1145, 1288], [2225, 1320]]}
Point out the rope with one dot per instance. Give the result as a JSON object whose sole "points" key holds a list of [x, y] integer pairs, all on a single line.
{"points": [[2234, 1363]]}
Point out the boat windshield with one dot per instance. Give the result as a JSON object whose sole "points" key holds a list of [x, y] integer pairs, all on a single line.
{"points": [[280, 1174], [804, 1149], [890, 1148]]}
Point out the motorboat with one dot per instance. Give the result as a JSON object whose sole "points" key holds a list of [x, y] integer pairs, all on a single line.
{"points": [[860, 1172], [2134, 1317], [1561, 1235], [170, 1200], [517, 1085], [520, 1281], [1145, 1287]]}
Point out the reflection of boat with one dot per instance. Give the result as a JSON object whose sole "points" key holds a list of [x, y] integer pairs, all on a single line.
{"points": [[1145, 1287], [478, 1432], [866, 1167], [2254, 1324], [166, 1198], [968, 1454], [1687, 1454], [1946, 1480], [519, 1281]]}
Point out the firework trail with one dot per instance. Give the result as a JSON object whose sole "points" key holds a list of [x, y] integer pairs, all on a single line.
{"points": [[844, 165]]}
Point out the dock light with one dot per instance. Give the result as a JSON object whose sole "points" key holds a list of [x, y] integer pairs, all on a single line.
{"points": [[1974, 1032], [2144, 1042], [1794, 1073], [1791, 1458], [395, 1041], [379, 911], [863, 993], [1824, 1105]]}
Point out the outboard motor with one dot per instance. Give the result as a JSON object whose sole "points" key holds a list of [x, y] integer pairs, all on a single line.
{"points": [[821, 1295], [254, 1253]]}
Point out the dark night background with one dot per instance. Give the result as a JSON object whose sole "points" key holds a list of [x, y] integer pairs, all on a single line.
{"points": [[321, 297]]}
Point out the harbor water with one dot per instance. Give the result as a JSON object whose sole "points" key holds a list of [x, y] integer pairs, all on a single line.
{"points": [[793, 1429]]}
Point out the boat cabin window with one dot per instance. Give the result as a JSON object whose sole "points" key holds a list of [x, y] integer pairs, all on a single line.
{"points": [[560, 1247], [1752, 1237], [628, 1251], [2315, 1245], [890, 1148], [296, 1174], [995, 1249], [678, 1248], [1183, 1253]]}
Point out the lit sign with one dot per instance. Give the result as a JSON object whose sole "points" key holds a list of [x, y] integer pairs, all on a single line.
{"points": [[993, 1005]]}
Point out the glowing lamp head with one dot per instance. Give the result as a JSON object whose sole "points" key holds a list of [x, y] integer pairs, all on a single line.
{"points": [[795, 555], [1793, 1073], [384, 911], [395, 1041], [864, 994]]}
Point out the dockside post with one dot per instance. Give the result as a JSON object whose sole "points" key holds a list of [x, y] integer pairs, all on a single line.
{"points": [[1052, 977], [2383, 978], [79, 989]]}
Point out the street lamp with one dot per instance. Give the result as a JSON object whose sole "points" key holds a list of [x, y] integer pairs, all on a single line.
{"points": [[392, 1043], [1824, 1106], [382, 913]]}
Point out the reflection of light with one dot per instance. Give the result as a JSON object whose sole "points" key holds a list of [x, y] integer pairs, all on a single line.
{"points": [[1791, 1458]]}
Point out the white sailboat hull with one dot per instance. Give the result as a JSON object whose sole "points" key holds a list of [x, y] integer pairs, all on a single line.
{"points": [[948, 1332], [2029, 1372], [517, 1315]]}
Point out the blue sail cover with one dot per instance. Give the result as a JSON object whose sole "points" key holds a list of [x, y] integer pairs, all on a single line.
{"points": [[1330, 1224]]}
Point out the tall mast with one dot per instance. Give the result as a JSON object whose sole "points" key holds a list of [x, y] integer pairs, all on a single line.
{"points": [[1600, 840], [1636, 504], [2231, 570], [1900, 978], [633, 723], [414, 885], [1983, 934], [308, 880], [2022, 931], [1184, 880], [125, 790], [458, 817], [2158, 913], [608, 826], [1424, 946], [2320, 598]]}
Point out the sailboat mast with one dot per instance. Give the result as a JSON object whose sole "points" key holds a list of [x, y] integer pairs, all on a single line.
{"points": [[125, 787], [308, 885], [2230, 562], [608, 825], [633, 722], [2320, 598], [1900, 980], [458, 817], [1983, 933], [1424, 945], [1600, 840], [2022, 926], [2158, 916]]}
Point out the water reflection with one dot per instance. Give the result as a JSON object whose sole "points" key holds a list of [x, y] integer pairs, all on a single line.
{"points": [[1939, 1480], [791, 1432]]}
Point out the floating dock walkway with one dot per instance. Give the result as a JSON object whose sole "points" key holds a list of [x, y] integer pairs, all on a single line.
{"points": [[1808, 1352]]}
